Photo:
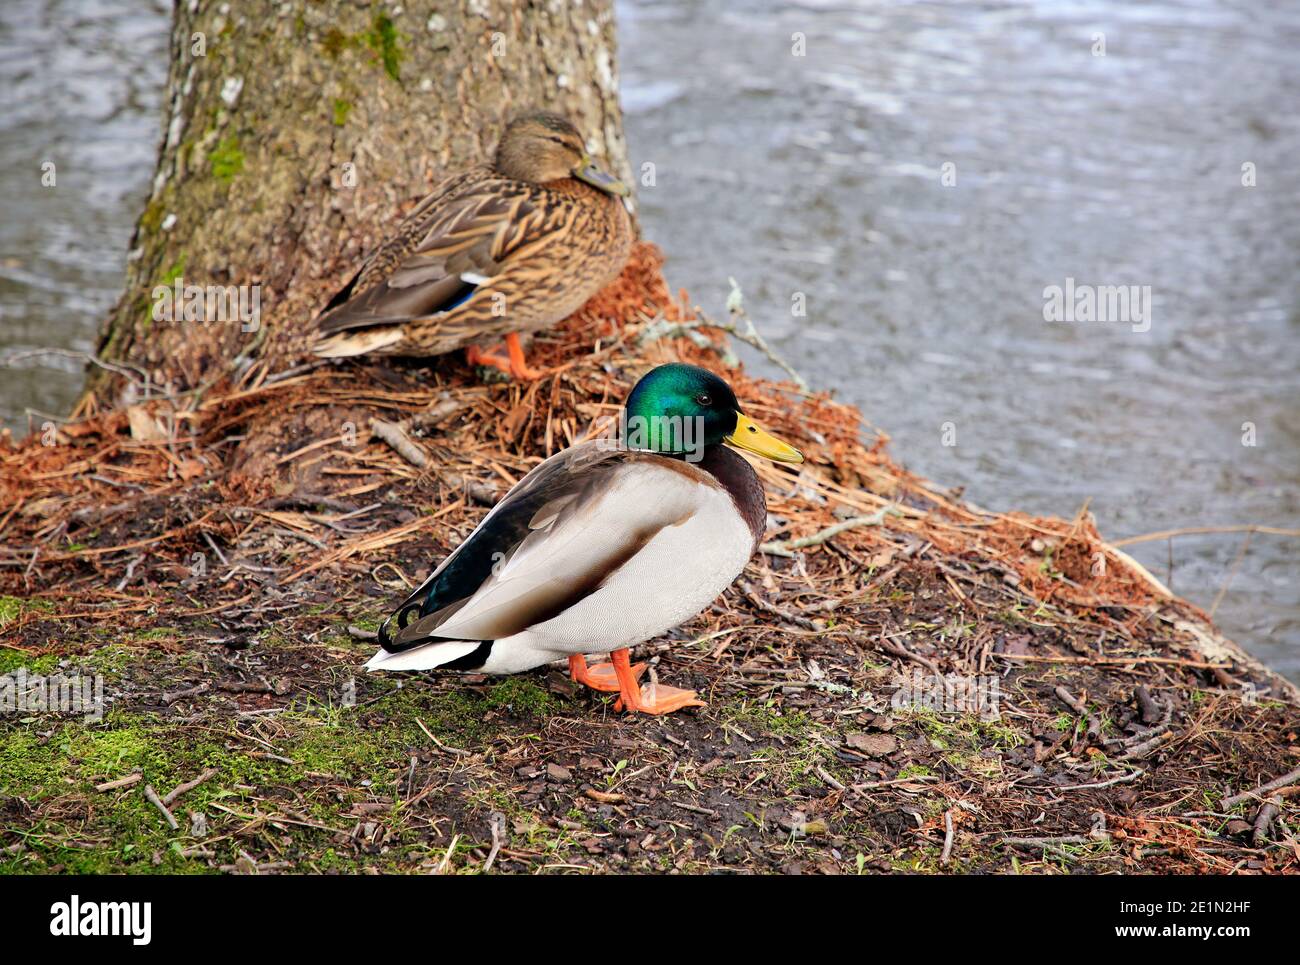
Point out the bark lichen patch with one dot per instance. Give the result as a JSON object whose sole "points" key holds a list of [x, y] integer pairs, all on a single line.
{"points": [[382, 39], [226, 160]]}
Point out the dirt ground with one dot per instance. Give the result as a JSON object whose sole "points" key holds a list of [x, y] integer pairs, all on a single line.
{"points": [[221, 559]]}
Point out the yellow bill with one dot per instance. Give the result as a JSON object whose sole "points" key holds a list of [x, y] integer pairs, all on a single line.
{"points": [[749, 435]]}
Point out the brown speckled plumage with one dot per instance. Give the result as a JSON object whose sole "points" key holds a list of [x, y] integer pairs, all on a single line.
{"points": [[533, 251]]}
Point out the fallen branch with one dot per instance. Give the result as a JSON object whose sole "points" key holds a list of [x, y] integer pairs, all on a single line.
{"points": [[1050, 842], [751, 594], [401, 443], [1202, 530], [898, 650], [748, 334], [180, 789], [1264, 820], [1232, 572], [1139, 751], [446, 749], [1147, 705], [396, 437], [171, 698], [694, 809], [498, 824], [1122, 779], [127, 781], [1289, 778], [1080, 708], [129, 372], [788, 547], [152, 797]]}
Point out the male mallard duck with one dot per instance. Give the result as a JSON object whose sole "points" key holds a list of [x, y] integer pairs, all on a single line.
{"points": [[603, 546], [499, 250]]}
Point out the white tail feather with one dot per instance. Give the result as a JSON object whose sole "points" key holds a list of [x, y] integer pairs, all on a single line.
{"points": [[423, 658], [346, 344]]}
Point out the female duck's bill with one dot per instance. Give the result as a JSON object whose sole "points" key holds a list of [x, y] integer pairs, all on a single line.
{"points": [[598, 178]]}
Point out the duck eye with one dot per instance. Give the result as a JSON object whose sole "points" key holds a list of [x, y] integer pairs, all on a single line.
{"points": [[704, 399]]}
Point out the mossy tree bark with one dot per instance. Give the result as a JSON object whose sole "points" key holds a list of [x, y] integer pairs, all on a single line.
{"points": [[297, 132]]}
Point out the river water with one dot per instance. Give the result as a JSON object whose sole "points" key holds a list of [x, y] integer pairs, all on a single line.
{"points": [[894, 186]]}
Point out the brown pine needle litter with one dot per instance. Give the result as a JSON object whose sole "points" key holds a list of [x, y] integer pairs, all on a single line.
{"points": [[212, 554]]}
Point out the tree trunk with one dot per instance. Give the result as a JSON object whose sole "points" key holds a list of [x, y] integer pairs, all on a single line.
{"points": [[297, 133]]}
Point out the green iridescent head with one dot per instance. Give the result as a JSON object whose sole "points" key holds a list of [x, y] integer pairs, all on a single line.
{"points": [[679, 409]]}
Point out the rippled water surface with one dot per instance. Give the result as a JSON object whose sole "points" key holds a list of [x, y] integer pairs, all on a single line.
{"points": [[819, 177]]}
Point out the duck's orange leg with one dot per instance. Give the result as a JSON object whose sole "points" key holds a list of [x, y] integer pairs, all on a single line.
{"points": [[601, 676], [654, 698], [513, 365]]}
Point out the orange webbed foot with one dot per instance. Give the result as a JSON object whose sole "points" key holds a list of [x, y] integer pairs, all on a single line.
{"points": [[513, 363], [600, 676], [476, 356], [654, 697]]}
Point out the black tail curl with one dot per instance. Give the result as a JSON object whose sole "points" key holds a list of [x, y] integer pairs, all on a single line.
{"points": [[403, 616]]}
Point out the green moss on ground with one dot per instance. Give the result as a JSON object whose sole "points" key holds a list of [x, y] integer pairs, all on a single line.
{"points": [[523, 697], [327, 760]]}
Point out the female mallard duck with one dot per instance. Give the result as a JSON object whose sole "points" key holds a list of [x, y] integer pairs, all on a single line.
{"points": [[603, 546], [499, 250]]}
